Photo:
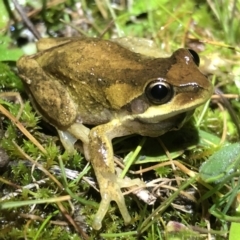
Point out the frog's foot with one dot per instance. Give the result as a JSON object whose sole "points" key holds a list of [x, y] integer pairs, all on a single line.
{"points": [[110, 189]]}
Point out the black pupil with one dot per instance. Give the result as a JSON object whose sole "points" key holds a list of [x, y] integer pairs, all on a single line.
{"points": [[159, 92]]}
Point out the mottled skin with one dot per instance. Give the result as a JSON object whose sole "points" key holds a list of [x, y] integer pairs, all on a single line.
{"points": [[77, 81]]}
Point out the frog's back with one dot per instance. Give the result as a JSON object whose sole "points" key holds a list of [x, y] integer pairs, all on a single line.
{"points": [[90, 67]]}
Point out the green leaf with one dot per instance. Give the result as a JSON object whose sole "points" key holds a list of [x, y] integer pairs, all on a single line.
{"points": [[234, 231], [221, 164], [4, 16], [7, 53]]}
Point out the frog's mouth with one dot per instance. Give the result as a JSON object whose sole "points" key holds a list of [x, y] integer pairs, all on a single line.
{"points": [[145, 127]]}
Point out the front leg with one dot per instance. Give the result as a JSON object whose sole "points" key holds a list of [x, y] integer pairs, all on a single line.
{"points": [[101, 156]]}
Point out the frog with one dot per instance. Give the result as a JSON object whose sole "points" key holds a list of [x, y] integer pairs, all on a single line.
{"points": [[95, 90]]}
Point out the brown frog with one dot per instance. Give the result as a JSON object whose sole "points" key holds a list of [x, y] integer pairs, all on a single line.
{"points": [[119, 89]]}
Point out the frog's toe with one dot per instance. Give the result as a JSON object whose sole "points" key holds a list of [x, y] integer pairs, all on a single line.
{"points": [[102, 210], [118, 197], [111, 193]]}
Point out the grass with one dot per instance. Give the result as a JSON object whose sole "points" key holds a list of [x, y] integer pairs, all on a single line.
{"points": [[39, 201]]}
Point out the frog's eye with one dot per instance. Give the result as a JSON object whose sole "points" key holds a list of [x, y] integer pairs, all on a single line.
{"points": [[159, 92], [195, 57]]}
